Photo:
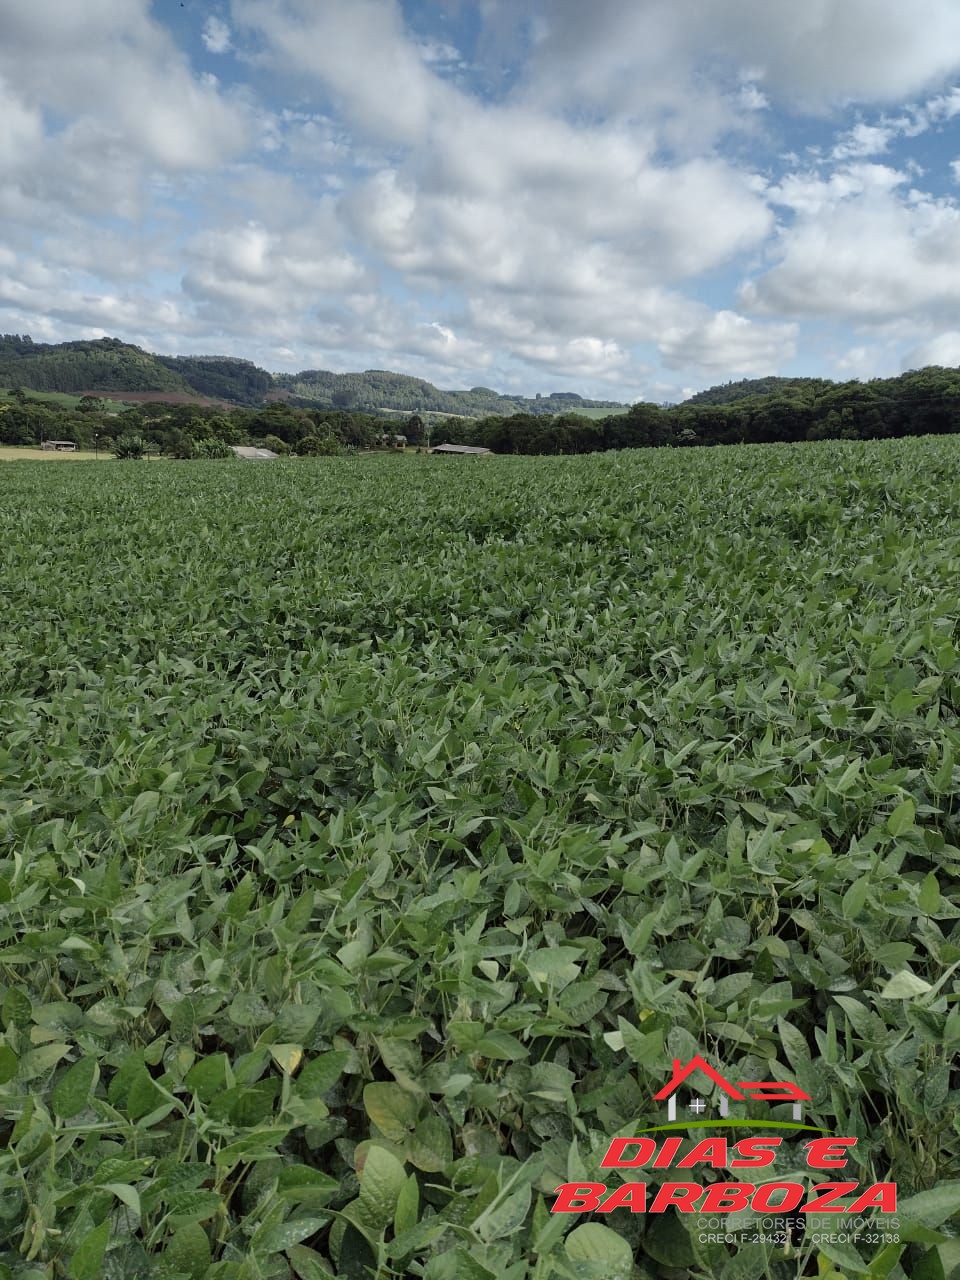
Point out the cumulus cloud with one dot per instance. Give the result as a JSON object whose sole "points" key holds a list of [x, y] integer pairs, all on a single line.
{"points": [[943, 349], [252, 272], [565, 203], [360, 51], [439, 52], [813, 55], [864, 247], [21, 129], [863, 140], [866, 139], [116, 76], [216, 34], [42, 294], [565, 224], [729, 342], [752, 99]]}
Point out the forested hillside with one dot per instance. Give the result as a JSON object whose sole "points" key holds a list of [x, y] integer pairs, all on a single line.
{"points": [[379, 389], [922, 402], [223, 377], [103, 364], [751, 388], [109, 364]]}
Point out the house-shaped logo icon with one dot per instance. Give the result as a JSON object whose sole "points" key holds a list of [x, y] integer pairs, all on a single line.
{"points": [[763, 1091]]}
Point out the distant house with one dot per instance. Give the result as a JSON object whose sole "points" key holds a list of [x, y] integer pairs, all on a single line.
{"points": [[470, 449], [59, 446], [250, 451]]}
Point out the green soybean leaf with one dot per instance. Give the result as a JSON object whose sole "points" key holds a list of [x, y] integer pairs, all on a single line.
{"points": [[407, 1207], [285, 1235], [72, 1091], [931, 1208], [189, 1251], [594, 1242], [381, 1185], [904, 986], [9, 1064], [902, 818], [87, 1261]]}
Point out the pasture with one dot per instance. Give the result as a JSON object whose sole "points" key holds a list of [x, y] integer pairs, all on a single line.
{"points": [[373, 836], [25, 453], [63, 399]]}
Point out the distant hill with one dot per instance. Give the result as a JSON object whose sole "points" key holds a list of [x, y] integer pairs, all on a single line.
{"points": [[109, 364], [379, 389], [223, 377], [749, 388], [105, 364]]}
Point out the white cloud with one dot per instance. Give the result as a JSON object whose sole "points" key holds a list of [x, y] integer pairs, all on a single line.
{"points": [[944, 107], [808, 193], [862, 248], [811, 55], [21, 129], [752, 99], [439, 52], [859, 362], [555, 229], [863, 140], [943, 349], [358, 201], [251, 272], [116, 76], [359, 50], [216, 35], [873, 139], [729, 343]]}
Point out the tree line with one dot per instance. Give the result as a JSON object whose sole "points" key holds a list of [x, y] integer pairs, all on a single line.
{"points": [[922, 402], [188, 430], [925, 402]]}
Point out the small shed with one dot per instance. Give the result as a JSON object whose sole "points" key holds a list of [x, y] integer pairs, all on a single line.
{"points": [[59, 446], [468, 449], [252, 452]]}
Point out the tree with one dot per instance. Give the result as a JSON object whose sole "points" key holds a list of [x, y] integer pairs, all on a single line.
{"points": [[414, 429], [222, 427], [27, 423], [319, 444], [179, 444], [281, 421], [211, 447], [276, 444], [91, 404], [129, 447]]}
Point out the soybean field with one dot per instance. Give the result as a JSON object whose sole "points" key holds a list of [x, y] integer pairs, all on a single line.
{"points": [[376, 831]]}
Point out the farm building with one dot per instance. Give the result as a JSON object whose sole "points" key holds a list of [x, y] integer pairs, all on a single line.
{"points": [[250, 451], [60, 446], [470, 449]]}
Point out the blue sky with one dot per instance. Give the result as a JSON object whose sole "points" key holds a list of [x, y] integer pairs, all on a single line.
{"points": [[630, 200]]}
